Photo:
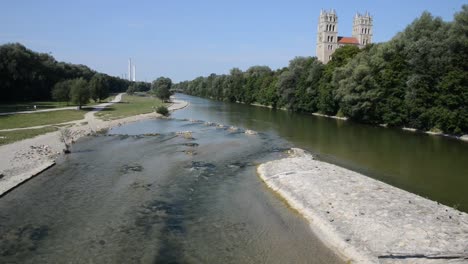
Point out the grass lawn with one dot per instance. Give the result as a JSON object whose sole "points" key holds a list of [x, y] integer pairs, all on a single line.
{"points": [[29, 106], [39, 119], [13, 136], [129, 106]]}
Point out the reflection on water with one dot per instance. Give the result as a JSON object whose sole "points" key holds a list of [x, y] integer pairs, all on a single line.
{"points": [[431, 166], [128, 198]]}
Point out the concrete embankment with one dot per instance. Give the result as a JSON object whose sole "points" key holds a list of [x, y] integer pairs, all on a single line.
{"points": [[365, 220]]}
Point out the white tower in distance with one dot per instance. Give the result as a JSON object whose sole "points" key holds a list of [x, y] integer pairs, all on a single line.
{"points": [[134, 73], [130, 69]]}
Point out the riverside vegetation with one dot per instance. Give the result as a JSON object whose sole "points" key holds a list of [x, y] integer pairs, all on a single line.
{"points": [[30, 80], [418, 79]]}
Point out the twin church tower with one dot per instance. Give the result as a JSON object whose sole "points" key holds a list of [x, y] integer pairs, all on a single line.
{"points": [[327, 34]]}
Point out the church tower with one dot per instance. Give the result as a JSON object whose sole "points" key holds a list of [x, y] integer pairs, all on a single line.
{"points": [[327, 38], [362, 29]]}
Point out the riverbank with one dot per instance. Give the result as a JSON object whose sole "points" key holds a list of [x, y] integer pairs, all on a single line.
{"points": [[365, 220], [462, 138], [26, 158]]}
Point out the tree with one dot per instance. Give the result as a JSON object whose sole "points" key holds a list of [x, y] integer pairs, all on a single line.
{"points": [[98, 87], [79, 92], [132, 89], [161, 87], [327, 102], [418, 79], [235, 86], [61, 91]]}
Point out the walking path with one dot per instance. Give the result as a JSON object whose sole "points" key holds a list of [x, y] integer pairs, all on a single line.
{"points": [[39, 111], [89, 117], [115, 100], [26, 158]]}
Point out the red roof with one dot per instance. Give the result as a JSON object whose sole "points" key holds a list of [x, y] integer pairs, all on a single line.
{"points": [[348, 40]]}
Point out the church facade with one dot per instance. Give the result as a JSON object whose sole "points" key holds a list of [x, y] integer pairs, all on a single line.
{"points": [[327, 34]]}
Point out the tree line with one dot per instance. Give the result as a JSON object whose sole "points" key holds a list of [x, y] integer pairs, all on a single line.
{"points": [[418, 79], [26, 75]]}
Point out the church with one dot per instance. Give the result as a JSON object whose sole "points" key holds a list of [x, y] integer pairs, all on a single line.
{"points": [[327, 34]]}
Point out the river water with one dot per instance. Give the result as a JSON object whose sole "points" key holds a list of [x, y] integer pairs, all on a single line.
{"points": [[431, 166], [144, 194], [127, 197]]}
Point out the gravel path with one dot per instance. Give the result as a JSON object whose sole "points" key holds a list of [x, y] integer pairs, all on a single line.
{"points": [[366, 220]]}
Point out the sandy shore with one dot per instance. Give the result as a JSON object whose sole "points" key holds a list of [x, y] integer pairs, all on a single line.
{"points": [[365, 220], [24, 159]]}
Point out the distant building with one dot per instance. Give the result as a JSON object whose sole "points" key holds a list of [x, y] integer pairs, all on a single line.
{"points": [[327, 34]]}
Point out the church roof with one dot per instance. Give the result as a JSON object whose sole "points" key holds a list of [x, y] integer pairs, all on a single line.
{"points": [[348, 40]]}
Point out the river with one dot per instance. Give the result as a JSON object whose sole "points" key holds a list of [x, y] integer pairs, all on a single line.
{"points": [[143, 193], [434, 167], [126, 197]]}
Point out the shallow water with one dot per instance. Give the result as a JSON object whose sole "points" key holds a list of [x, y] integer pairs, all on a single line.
{"points": [[431, 166], [161, 198]]}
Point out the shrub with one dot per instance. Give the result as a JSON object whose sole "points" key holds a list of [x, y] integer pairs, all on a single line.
{"points": [[162, 110]]}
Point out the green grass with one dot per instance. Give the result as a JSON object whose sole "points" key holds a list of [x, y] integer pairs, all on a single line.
{"points": [[13, 136], [40, 119], [29, 106], [129, 106]]}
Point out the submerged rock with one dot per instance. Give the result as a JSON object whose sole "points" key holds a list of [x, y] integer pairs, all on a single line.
{"points": [[151, 134], [190, 152], [127, 168], [250, 132], [201, 165], [190, 144]]}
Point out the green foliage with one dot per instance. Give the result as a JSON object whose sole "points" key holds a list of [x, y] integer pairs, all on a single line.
{"points": [[26, 75], [79, 92], [98, 87], [161, 88], [138, 87], [418, 79], [61, 91], [162, 109], [132, 89]]}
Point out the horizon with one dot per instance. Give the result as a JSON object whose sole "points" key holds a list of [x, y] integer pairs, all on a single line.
{"points": [[185, 40]]}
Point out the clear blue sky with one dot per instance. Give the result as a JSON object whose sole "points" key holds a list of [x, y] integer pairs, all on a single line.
{"points": [[186, 39]]}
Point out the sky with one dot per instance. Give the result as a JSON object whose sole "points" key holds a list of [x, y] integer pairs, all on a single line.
{"points": [[186, 39]]}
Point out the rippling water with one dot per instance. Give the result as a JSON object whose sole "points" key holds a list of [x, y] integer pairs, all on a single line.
{"points": [[159, 198]]}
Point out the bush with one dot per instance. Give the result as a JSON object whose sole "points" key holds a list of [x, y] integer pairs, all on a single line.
{"points": [[162, 110]]}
